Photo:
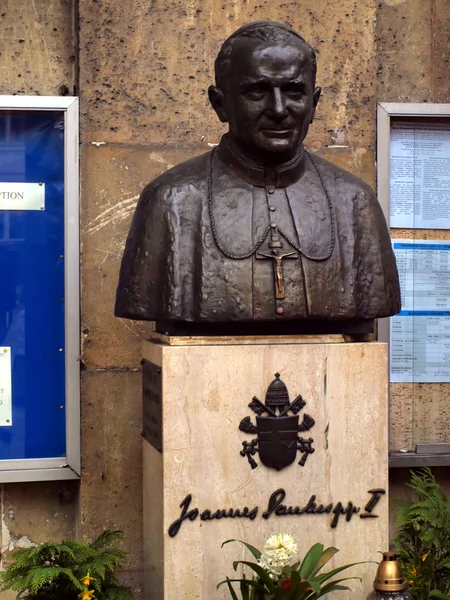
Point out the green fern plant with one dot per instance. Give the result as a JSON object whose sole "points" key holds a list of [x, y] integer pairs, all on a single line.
{"points": [[423, 538], [53, 571]]}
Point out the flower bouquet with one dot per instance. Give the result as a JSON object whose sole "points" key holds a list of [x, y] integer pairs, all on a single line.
{"points": [[275, 578]]}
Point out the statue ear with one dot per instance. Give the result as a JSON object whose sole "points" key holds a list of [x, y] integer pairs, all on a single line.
{"points": [[217, 99], [316, 97]]}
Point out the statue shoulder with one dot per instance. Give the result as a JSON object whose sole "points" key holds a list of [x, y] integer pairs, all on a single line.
{"points": [[191, 172], [343, 179]]}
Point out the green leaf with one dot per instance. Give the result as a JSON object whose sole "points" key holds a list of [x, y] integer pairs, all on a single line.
{"points": [[262, 573], [326, 557], [310, 561], [295, 579], [281, 594], [437, 594], [107, 538], [315, 585], [244, 589], [256, 586], [331, 585], [250, 582], [256, 553], [326, 576], [333, 588], [225, 581], [299, 588], [231, 590]]}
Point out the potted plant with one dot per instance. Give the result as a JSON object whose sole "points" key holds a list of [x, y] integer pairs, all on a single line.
{"points": [[275, 578], [423, 538], [70, 570]]}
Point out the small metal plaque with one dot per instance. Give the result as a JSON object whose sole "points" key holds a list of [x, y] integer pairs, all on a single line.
{"points": [[437, 448], [5, 387], [22, 196], [152, 404]]}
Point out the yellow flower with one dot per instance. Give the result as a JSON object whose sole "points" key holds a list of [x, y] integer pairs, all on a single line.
{"points": [[86, 580], [424, 557], [86, 595]]}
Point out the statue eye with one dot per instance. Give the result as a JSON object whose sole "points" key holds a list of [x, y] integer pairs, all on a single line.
{"points": [[256, 93], [294, 90]]}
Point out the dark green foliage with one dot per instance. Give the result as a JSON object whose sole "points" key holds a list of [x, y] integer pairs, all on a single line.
{"points": [[423, 539], [52, 571]]}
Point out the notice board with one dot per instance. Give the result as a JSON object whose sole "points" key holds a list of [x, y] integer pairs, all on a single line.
{"points": [[39, 298], [413, 163]]}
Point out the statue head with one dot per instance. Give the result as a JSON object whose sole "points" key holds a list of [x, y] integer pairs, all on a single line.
{"points": [[265, 90]]}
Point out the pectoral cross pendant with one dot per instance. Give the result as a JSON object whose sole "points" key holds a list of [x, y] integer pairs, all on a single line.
{"points": [[278, 258]]}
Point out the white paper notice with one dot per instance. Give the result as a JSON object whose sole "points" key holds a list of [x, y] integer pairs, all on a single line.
{"points": [[420, 176], [420, 334], [5, 387]]}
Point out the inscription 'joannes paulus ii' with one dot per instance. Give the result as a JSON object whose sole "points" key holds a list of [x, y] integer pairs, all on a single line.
{"points": [[277, 508]]}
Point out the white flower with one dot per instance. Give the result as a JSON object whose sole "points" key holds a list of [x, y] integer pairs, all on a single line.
{"points": [[279, 550], [281, 542], [273, 570]]}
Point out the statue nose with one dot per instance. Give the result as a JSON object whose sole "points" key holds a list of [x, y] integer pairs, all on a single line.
{"points": [[278, 103]]}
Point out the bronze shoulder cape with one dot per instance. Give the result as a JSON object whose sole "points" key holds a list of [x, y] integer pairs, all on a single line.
{"points": [[172, 269]]}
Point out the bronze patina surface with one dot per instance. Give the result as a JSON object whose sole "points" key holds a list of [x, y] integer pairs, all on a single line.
{"points": [[277, 439], [259, 231]]}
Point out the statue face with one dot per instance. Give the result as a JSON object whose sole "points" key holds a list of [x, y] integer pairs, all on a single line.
{"points": [[271, 100]]}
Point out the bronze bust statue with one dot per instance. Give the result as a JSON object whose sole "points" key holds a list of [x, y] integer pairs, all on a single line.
{"points": [[259, 235]]}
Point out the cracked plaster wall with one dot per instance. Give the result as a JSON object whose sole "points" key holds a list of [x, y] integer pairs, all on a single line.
{"points": [[142, 68]]}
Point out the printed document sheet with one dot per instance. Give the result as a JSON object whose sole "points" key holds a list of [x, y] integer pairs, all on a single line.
{"points": [[420, 334], [420, 176]]}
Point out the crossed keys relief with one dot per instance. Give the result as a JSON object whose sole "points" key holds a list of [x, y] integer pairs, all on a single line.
{"points": [[277, 439]]}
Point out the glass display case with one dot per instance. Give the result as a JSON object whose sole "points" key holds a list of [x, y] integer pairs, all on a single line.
{"points": [[39, 299], [413, 174]]}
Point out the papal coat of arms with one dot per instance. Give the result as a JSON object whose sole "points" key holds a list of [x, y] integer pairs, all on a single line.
{"points": [[277, 428]]}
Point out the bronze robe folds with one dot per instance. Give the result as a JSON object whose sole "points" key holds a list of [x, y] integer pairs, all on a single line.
{"points": [[172, 269]]}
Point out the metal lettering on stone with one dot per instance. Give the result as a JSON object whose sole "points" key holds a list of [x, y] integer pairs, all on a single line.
{"points": [[277, 508], [152, 404], [277, 428]]}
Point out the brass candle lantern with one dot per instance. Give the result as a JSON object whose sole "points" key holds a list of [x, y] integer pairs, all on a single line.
{"points": [[389, 582]]}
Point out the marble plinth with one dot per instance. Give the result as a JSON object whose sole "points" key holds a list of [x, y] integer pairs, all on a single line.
{"points": [[206, 390]]}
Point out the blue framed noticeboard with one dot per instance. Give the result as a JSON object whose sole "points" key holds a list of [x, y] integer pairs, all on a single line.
{"points": [[39, 299]]}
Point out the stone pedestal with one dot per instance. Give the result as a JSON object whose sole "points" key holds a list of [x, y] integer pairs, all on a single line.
{"points": [[206, 390]]}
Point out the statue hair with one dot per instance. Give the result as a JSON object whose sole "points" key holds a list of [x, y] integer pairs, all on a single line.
{"points": [[265, 31]]}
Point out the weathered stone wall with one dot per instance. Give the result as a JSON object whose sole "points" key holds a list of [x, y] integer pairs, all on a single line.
{"points": [[413, 55], [38, 47], [413, 52], [144, 67], [37, 56]]}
